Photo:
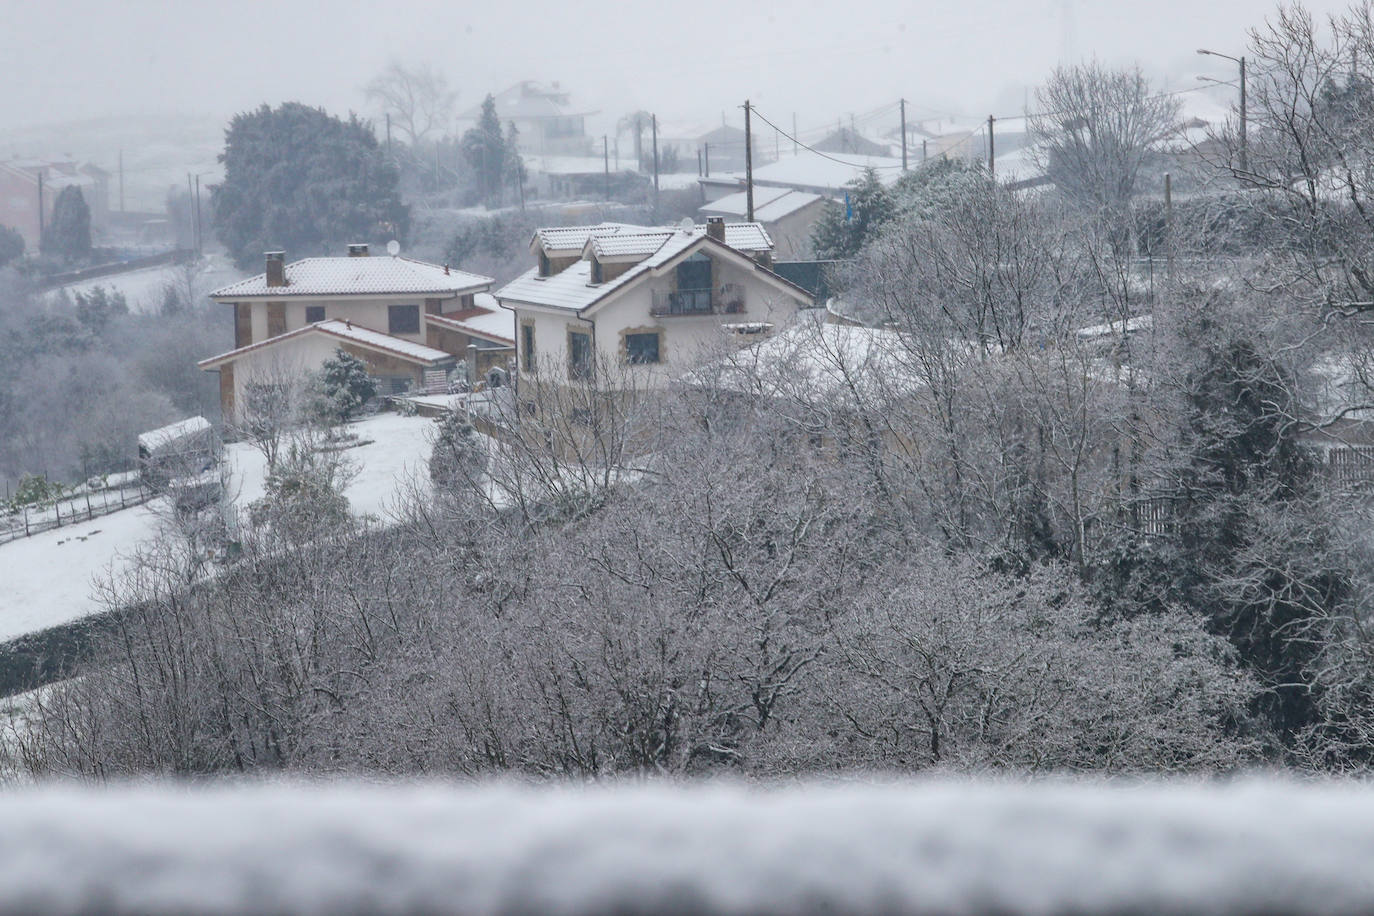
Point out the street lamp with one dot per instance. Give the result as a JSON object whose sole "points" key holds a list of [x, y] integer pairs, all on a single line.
{"points": [[1244, 159]]}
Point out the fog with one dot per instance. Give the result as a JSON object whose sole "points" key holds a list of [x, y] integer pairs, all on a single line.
{"points": [[70, 60]]}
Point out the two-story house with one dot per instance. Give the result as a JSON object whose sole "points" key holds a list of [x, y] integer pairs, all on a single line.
{"points": [[652, 301], [401, 316]]}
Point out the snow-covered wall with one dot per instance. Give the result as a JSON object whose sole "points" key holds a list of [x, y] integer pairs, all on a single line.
{"points": [[925, 848]]}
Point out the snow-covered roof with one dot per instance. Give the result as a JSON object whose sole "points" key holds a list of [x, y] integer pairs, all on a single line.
{"points": [[345, 331], [361, 276], [572, 239], [486, 320], [813, 359], [155, 439], [573, 289], [770, 204]]}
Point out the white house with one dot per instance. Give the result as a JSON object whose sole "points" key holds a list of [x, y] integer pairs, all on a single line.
{"points": [[653, 300], [401, 316], [788, 215]]}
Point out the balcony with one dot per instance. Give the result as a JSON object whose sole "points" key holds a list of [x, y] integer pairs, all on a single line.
{"points": [[727, 299]]}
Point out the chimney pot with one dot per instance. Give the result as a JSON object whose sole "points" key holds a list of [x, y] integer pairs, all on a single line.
{"points": [[276, 268], [358, 250], [715, 228]]}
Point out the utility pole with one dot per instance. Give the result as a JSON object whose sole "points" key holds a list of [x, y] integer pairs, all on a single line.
{"points": [[1244, 144], [121, 181], [992, 152], [706, 148], [748, 166], [606, 163], [924, 154], [698, 162], [903, 105], [653, 124], [1169, 222], [191, 212]]}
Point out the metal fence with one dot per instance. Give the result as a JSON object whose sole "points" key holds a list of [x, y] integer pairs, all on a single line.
{"points": [[71, 509]]}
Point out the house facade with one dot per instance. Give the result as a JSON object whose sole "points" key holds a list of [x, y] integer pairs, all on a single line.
{"points": [[406, 319], [649, 301]]}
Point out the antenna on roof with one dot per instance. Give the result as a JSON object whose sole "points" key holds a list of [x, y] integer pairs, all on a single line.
{"points": [[393, 248]]}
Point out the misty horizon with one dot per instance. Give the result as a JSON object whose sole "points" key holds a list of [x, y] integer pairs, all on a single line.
{"points": [[155, 59]]}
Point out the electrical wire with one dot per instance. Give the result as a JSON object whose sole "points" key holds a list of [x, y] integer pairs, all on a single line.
{"points": [[810, 149]]}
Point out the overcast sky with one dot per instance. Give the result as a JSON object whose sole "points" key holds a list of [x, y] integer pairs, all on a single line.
{"points": [[66, 60]]}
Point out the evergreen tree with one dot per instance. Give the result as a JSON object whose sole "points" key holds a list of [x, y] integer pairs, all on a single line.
{"points": [[459, 456], [843, 229], [68, 234], [344, 386], [297, 178], [487, 153]]}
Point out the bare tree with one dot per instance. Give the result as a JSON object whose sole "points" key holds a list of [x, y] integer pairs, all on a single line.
{"points": [[1094, 130], [417, 98]]}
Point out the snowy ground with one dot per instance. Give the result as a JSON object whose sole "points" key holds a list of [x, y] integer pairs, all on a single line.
{"points": [[49, 579], [905, 848]]}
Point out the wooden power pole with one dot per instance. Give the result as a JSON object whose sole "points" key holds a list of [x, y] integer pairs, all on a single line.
{"points": [[903, 106], [748, 166]]}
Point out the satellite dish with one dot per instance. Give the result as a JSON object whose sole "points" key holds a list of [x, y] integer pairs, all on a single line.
{"points": [[393, 248], [687, 225]]}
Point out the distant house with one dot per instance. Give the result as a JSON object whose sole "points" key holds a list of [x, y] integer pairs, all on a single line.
{"points": [[24, 183], [402, 317], [786, 214], [648, 299], [826, 175], [848, 140], [547, 123]]}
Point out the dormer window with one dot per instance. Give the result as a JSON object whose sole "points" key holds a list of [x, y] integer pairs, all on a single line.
{"points": [[544, 267], [597, 276]]}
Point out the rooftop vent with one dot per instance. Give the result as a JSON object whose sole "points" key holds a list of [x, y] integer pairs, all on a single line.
{"points": [[357, 250]]}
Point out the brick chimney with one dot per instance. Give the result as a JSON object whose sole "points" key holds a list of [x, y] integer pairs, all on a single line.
{"points": [[276, 268], [357, 250], [715, 228]]}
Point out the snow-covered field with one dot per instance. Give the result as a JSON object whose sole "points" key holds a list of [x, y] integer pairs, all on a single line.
{"points": [[49, 579], [917, 848]]}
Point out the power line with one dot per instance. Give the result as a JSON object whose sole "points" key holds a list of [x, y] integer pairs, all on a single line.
{"points": [[814, 150]]}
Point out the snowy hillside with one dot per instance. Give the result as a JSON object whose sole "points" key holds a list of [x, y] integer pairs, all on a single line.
{"points": [[49, 579], [924, 848]]}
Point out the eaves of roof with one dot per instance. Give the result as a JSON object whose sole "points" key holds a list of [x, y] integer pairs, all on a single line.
{"points": [[407, 352]]}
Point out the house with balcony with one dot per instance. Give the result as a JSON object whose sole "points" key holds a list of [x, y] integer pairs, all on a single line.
{"points": [[650, 301], [411, 322]]}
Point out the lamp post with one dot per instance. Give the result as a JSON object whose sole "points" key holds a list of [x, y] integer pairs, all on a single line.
{"points": [[1244, 158]]}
